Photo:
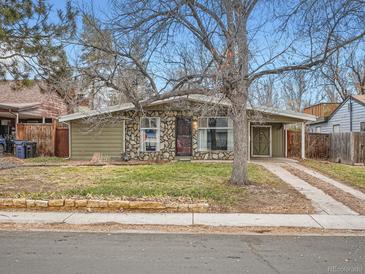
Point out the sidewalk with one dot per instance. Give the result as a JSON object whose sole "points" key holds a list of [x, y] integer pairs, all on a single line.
{"points": [[185, 219]]}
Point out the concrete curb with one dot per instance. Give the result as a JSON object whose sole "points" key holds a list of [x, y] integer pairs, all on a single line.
{"points": [[185, 219]]}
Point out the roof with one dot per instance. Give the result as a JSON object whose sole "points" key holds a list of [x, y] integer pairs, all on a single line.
{"points": [[193, 98], [18, 98], [358, 98], [18, 106]]}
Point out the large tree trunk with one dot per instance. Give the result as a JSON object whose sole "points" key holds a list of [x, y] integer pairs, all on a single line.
{"points": [[240, 131]]}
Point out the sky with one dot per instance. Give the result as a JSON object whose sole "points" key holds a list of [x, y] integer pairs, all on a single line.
{"points": [[101, 8]]}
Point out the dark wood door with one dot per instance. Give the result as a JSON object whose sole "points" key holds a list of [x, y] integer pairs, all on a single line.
{"points": [[183, 136], [61, 145]]}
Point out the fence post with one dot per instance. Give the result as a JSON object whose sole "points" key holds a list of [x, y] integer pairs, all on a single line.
{"points": [[352, 147], [54, 128]]}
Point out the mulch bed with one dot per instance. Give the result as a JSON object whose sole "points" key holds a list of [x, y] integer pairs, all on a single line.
{"points": [[347, 199]]}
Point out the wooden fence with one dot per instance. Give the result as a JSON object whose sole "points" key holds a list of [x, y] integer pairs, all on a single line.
{"points": [[51, 139], [317, 146], [343, 147], [358, 141]]}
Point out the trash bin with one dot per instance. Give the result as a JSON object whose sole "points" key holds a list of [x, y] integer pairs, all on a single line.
{"points": [[34, 149], [20, 150], [31, 149]]}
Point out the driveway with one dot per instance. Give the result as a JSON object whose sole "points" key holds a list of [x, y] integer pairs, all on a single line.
{"points": [[327, 195], [49, 252]]}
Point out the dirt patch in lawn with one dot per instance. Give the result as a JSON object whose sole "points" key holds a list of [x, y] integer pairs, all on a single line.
{"points": [[264, 199], [171, 182], [347, 199]]}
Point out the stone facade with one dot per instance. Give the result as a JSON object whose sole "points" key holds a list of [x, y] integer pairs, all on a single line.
{"points": [[72, 204], [208, 155], [167, 137]]}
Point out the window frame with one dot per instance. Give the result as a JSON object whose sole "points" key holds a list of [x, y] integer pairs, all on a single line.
{"points": [[158, 132], [336, 125], [228, 128], [362, 123]]}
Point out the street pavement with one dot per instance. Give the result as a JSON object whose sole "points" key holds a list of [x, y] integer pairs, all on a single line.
{"points": [[67, 252]]}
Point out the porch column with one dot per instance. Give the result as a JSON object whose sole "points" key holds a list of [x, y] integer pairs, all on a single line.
{"points": [[16, 125], [249, 141], [303, 140], [285, 141]]}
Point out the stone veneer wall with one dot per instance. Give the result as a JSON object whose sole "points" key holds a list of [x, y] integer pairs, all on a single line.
{"points": [[167, 137]]}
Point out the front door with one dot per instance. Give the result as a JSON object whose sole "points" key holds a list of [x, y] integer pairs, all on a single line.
{"points": [[261, 141], [183, 136]]}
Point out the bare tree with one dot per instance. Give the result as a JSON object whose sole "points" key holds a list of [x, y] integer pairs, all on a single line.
{"points": [[344, 72], [357, 68], [265, 92], [294, 91], [220, 48]]}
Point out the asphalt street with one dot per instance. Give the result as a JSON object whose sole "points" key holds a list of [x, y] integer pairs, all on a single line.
{"points": [[66, 252]]}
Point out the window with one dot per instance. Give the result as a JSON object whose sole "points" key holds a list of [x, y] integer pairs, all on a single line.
{"points": [[150, 134], [318, 129], [336, 128], [362, 126], [215, 133]]}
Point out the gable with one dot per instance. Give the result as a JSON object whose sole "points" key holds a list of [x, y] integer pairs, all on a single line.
{"points": [[341, 116]]}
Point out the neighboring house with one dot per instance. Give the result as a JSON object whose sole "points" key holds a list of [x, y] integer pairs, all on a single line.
{"points": [[27, 105], [196, 127], [349, 116]]}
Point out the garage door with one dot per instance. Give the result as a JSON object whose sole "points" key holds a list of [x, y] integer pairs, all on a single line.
{"points": [[108, 140]]}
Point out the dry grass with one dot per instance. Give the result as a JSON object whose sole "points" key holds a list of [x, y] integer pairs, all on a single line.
{"points": [[351, 175], [174, 181]]}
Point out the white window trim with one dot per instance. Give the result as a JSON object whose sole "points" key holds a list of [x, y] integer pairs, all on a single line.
{"points": [[360, 126], [143, 128], [251, 145], [339, 128], [227, 128], [318, 129]]}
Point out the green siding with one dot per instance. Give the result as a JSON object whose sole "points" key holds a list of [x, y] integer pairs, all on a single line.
{"points": [[277, 140], [107, 140]]}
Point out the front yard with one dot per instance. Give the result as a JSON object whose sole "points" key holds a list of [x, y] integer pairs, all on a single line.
{"points": [[351, 175], [181, 182]]}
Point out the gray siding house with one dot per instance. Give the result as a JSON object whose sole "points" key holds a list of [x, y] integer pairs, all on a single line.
{"points": [[347, 117]]}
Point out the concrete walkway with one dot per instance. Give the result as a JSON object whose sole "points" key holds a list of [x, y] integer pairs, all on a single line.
{"points": [[354, 192], [185, 219], [323, 203]]}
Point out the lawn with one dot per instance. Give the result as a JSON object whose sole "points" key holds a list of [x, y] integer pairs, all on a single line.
{"points": [[352, 175], [174, 181], [45, 160]]}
